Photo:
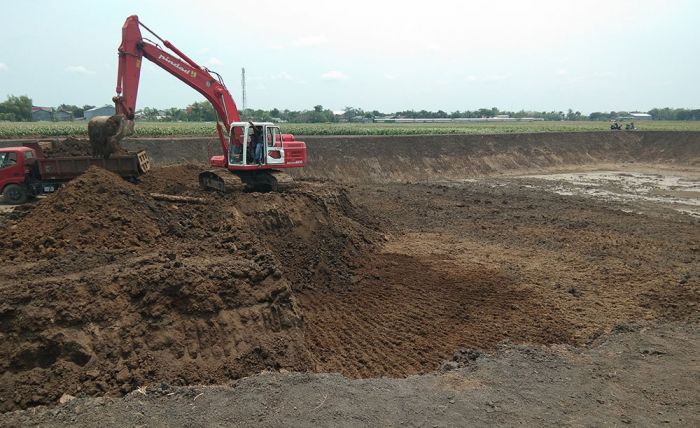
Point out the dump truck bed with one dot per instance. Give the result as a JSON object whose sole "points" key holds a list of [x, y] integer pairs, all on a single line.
{"points": [[129, 165]]}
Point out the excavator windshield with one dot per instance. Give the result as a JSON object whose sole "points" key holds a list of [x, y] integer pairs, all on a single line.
{"points": [[241, 149]]}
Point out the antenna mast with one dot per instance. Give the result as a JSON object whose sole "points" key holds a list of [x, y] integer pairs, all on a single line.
{"points": [[245, 98]]}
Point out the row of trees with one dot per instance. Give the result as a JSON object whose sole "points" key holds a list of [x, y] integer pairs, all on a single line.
{"points": [[19, 109], [203, 111], [16, 109]]}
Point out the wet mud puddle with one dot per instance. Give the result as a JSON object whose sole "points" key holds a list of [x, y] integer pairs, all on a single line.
{"points": [[681, 193]]}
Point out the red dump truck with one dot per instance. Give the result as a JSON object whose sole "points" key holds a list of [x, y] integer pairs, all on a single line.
{"points": [[26, 172]]}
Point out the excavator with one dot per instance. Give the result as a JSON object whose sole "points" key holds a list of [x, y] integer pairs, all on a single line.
{"points": [[253, 154]]}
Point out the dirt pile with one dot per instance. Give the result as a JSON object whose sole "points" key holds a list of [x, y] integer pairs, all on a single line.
{"points": [[316, 232], [96, 211], [70, 146], [157, 317], [104, 289], [182, 179]]}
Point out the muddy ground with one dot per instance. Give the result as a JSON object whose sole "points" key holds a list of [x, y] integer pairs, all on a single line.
{"points": [[385, 278]]}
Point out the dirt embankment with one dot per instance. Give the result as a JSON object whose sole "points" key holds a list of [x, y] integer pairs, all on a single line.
{"points": [[430, 157], [439, 157]]}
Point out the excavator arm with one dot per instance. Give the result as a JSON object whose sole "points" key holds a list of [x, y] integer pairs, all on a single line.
{"points": [[132, 50]]}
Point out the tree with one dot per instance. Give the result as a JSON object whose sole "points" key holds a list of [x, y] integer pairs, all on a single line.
{"points": [[17, 109], [201, 111]]}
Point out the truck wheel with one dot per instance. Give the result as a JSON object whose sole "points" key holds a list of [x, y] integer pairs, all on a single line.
{"points": [[14, 194]]}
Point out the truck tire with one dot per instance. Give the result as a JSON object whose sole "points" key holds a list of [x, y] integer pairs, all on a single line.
{"points": [[15, 194]]}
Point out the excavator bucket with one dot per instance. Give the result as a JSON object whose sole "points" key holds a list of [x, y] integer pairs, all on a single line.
{"points": [[106, 132]]}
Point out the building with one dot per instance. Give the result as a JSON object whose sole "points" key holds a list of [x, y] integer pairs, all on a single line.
{"points": [[62, 116], [640, 116], [105, 110], [41, 113]]}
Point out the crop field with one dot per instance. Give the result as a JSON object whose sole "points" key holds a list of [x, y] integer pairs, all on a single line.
{"points": [[192, 129]]}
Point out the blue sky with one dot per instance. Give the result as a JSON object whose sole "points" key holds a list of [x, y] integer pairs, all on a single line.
{"points": [[389, 55]]}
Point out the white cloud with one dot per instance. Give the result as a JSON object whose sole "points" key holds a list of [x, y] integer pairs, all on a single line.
{"points": [[486, 79], [433, 47], [495, 78], [3, 66], [309, 41], [603, 74], [282, 76], [562, 72], [334, 75], [302, 42], [215, 61], [80, 69], [390, 76]]}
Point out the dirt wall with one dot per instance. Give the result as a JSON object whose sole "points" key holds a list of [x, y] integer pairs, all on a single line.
{"points": [[420, 158], [429, 157]]}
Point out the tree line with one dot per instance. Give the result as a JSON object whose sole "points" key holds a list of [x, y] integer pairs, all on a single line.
{"points": [[19, 109]]}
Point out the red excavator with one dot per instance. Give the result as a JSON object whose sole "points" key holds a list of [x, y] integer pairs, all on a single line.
{"points": [[253, 153]]}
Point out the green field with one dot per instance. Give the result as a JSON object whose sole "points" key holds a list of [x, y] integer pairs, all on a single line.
{"points": [[193, 129]]}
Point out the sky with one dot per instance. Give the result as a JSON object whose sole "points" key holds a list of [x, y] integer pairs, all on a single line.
{"points": [[386, 55]]}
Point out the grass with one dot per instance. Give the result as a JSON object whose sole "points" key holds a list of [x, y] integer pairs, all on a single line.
{"points": [[193, 129]]}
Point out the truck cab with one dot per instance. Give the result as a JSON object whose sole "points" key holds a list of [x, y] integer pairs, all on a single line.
{"points": [[15, 164]]}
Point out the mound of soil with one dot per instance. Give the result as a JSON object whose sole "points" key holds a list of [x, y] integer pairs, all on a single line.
{"points": [[318, 234], [182, 179], [70, 146], [153, 318], [98, 210], [104, 289]]}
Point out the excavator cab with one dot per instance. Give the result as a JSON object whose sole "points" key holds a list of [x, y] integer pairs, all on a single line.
{"points": [[242, 144]]}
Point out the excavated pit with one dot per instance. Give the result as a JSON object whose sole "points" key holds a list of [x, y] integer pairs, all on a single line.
{"points": [[105, 289]]}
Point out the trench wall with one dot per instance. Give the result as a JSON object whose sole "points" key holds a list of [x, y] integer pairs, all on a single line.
{"points": [[417, 158]]}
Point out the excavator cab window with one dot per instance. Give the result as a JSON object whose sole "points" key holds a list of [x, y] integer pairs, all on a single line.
{"points": [[238, 146], [274, 150]]}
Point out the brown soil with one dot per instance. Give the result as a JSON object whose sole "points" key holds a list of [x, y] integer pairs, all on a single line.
{"points": [[104, 289], [643, 375], [70, 146], [102, 136], [96, 211], [474, 264]]}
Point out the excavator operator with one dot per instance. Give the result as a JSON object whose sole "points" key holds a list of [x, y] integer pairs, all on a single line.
{"points": [[258, 143]]}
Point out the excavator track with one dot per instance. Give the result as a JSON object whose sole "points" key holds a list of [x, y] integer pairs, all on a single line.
{"points": [[224, 181], [220, 180]]}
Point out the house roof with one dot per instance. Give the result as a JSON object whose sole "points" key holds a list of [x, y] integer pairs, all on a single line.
{"points": [[37, 108], [100, 107]]}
